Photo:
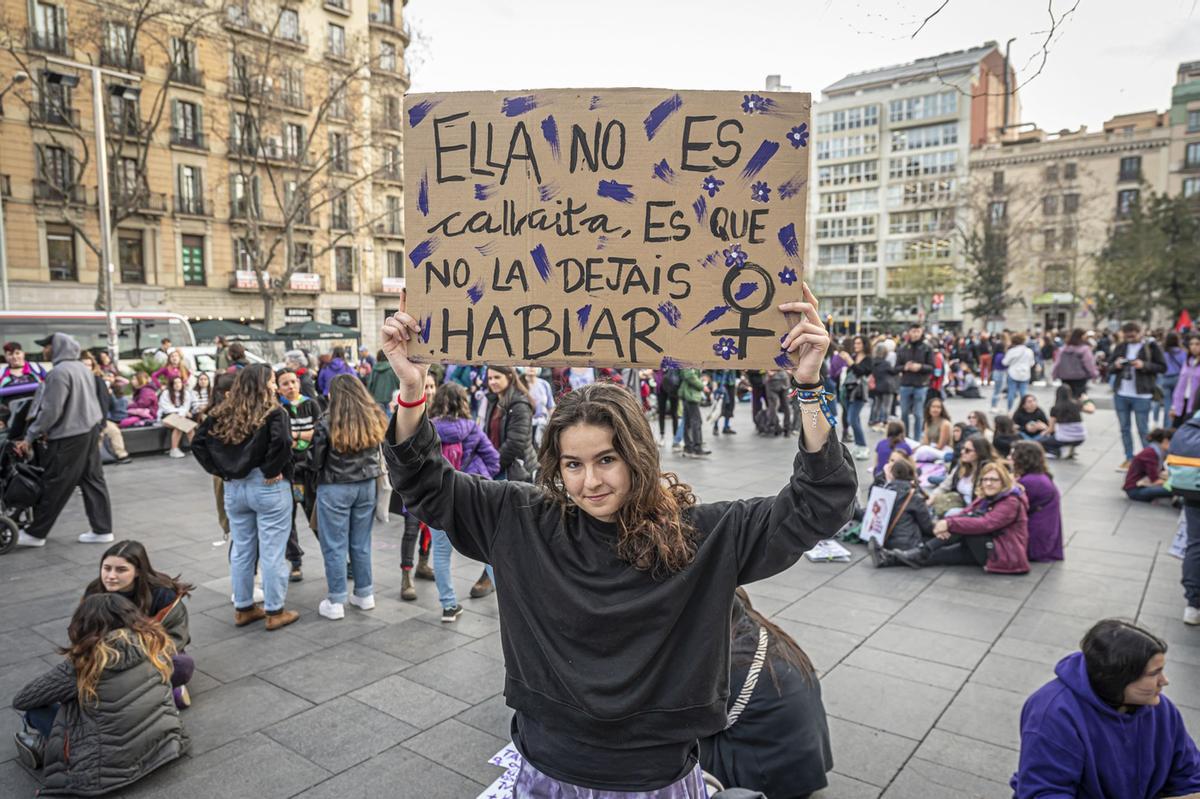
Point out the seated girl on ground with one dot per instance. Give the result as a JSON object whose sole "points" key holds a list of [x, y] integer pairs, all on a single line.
{"points": [[959, 488], [1004, 435], [910, 522], [1066, 428], [1045, 502], [1030, 419], [935, 439], [893, 439], [1103, 728]]}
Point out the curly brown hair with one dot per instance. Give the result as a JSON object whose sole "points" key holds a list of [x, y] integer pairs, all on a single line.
{"points": [[246, 407], [655, 536]]}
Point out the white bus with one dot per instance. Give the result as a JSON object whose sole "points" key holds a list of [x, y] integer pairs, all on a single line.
{"points": [[138, 332]]}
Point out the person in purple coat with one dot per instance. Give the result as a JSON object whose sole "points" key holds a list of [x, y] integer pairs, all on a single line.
{"points": [[1045, 503], [1103, 728]]}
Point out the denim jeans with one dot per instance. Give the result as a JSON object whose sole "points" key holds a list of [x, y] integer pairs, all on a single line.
{"points": [[1139, 407], [1191, 557], [345, 513], [881, 408], [260, 520], [999, 379], [1159, 410], [41, 719], [1016, 390], [912, 403], [854, 417], [1147, 493], [440, 549]]}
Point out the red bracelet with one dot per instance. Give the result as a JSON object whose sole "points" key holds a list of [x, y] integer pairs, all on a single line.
{"points": [[416, 404]]}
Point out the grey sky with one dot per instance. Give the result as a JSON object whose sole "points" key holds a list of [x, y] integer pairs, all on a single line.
{"points": [[1109, 57]]}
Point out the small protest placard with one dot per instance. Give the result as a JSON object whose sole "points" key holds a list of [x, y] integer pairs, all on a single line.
{"points": [[877, 514], [626, 227]]}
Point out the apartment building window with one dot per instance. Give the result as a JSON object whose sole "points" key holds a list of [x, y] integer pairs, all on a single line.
{"points": [[293, 141], [840, 254], [183, 56], [337, 40], [912, 166], [1049, 239], [1070, 170], [394, 223], [861, 200], [56, 166], [866, 116], [1193, 120], [391, 160], [191, 190], [923, 107], [1057, 278], [124, 115], [338, 107], [1050, 205], [1131, 168], [387, 56], [1191, 187], [1126, 200], [118, 45], [395, 263], [921, 192], [242, 136], [925, 137], [191, 257], [1068, 239], [245, 257], [339, 152], [131, 254], [1070, 203], [920, 221], [186, 123], [997, 211], [845, 227], [1191, 156], [302, 257], [244, 195], [917, 250], [60, 252], [54, 102], [339, 217], [50, 27], [848, 174], [289, 24], [343, 265], [847, 146], [126, 177], [391, 112], [1051, 173], [998, 180]]}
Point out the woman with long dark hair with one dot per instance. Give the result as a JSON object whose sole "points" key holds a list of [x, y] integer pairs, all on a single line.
{"points": [[1185, 400], [854, 384], [125, 569], [246, 441], [613, 576], [1065, 429], [104, 717], [345, 459]]}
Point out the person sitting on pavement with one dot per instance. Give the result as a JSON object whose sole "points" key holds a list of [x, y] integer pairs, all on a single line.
{"points": [[110, 434], [992, 532], [176, 400], [142, 409], [19, 377], [936, 431], [777, 738], [1066, 428], [979, 420], [1045, 502], [893, 439], [1030, 419], [1004, 435], [1146, 477], [104, 716], [174, 367], [960, 487], [65, 428], [1102, 729], [911, 521], [125, 569]]}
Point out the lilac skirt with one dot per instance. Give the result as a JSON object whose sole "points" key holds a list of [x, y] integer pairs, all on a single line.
{"points": [[533, 784]]}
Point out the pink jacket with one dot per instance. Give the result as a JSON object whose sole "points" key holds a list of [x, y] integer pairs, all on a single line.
{"points": [[1006, 519]]}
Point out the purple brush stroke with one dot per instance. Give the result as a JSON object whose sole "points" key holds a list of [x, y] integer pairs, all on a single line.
{"points": [[426, 328], [483, 191], [710, 259], [541, 261], [486, 249], [792, 187], [669, 363], [515, 106], [783, 360], [550, 133], [475, 293], [699, 206], [601, 242], [660, 114], [744, 290], [548, 191], [663, 171], [422, 251], [787, 238], [614, 190], [595, 102], [712, 316], [582, 315], [670, 312], [419, 111], [423, 194], [765, 152]]}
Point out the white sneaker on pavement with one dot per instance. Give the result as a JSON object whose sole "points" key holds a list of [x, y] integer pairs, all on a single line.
{"points": [[1191, 615], [258, 596], [95, 538], [176, 453], [363, 602], [332, 610], [24, 539]]}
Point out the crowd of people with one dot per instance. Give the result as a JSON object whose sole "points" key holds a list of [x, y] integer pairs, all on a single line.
{"points": [[554, 478]]}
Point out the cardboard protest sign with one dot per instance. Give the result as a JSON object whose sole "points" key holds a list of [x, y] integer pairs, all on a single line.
{"points": [[622, 227], [877, 515]]}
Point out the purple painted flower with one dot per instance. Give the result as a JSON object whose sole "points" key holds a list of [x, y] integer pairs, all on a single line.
{"points": [[725, 348], [734, 256], [788, 276], [760, 192], [753, 103], [798, 135], [711, 185]]}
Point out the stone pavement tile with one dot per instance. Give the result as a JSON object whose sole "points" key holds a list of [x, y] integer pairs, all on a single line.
{"points": [[1128, 586], [398, 772], [826, 648], [767, 604], [463, 674], [254, 767], [15, 781], [879, 661], [21, 645], [995, 763], [489, 645], [321, 630], [820, 610], [843, 787], [1072, 566], [492, 716], [10, 725], [986, 714], [902, 584], [1044, 627], [460, 747], [776, 590], [201, 683], [251, 651], [984, 585], [203, 599], [866, 754], [55, 631], [1011, 673], [938, 592], [340, 733], [1045, 654], [211, 627], [334, 671], [1092, 607], [966, 621], [19, 616], [469, 623], [884, 702], [228, 712], [929, 645], [805, 576], [922, 779], [16, 676], [411, 702], [414, 641]]}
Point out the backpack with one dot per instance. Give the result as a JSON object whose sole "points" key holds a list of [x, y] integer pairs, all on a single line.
{"points": [[1183, 461], [1070, 365], [454, 454], [672, 380]]}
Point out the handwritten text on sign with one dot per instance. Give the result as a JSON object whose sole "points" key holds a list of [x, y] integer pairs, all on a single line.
{"points": [[609, 226]]}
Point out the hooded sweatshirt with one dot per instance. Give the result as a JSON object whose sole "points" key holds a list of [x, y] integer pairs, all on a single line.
{"points": [[478, 455], [66, 404], [1074, 746], [336, 367]]}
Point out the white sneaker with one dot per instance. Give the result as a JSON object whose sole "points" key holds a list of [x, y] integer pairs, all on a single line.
{"points": [[176, 453], [95, 538], [1191, 615], [860, 454], [363, 603], [258, 596], [24, 539], [332, 610]]}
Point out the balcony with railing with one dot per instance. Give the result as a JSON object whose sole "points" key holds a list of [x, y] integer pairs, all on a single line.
{"points": [[142, 200], [238, 19], [192, 206], [338, 7], [49, 42], [45, 191], [186, 75], [53, 114], [125, 126], [122, 59], [192, 139], [389, 229], [293, 100], [391, 174]]}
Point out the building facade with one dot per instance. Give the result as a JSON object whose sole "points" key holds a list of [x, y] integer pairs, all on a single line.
{"points": [[1184, 119], [253, 152]]}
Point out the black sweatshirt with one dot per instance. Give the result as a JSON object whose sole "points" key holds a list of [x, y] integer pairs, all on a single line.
{"points": [[595, 650], [269, 449]]}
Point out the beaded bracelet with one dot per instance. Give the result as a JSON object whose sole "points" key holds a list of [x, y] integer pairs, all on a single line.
{"points": [[820, 398]]}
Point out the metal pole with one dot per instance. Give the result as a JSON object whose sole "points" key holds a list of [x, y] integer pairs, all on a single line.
{"points": [[3, 260], [106, 264]]}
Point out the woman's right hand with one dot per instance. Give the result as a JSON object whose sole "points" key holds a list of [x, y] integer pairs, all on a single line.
{"points": [[398, 330]]}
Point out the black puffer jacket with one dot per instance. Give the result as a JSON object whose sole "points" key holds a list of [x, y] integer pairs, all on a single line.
{"points": [[915, 523], [133, 730], [518, 459], [332, 466]]}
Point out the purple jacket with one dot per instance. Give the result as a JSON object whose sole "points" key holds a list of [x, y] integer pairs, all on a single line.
{"points": [[1189, 374], [478, 456], [1074, 746], [336, 367], [1045, 517]]}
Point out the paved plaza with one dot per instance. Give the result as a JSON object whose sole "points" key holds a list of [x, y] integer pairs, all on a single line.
{"points": [[923, 672]]}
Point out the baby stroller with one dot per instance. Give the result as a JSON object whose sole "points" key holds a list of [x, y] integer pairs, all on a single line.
{"points": [[20, 480]]}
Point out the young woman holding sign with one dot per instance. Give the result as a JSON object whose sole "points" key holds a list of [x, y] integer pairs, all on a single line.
{"points": [[614, 576]]}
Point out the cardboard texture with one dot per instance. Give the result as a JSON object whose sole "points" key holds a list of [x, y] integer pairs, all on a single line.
{"points": [[608, 227]]}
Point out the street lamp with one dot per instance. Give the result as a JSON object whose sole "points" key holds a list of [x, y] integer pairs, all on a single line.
{"points": [[17, 79]]}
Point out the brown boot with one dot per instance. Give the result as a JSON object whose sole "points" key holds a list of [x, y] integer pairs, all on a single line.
{"points": [[243, 617], [281, 619], [424, 570], [407, 591], [483, 586]]}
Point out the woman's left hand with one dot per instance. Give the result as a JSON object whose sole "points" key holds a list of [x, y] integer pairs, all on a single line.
{"points": [[942, 529], [808, 339]]}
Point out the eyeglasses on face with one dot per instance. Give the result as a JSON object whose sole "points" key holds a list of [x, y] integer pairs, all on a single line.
{"points": [[990, 480]]}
